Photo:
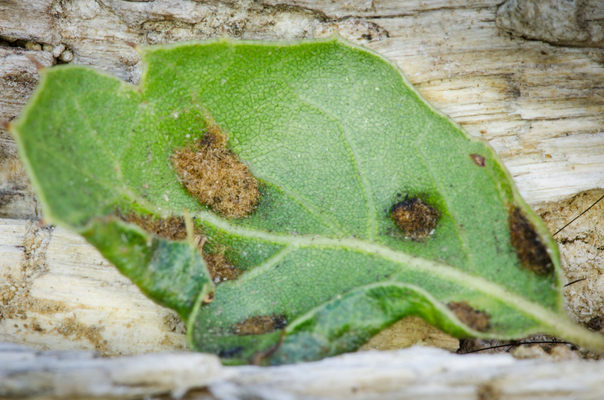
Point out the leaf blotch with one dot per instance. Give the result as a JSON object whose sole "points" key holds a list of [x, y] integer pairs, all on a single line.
{"points": [[416, 218], [230, 352], [530, 250], [215, 176], [475, 319], [260, 324], [478, 159], [172, 228], [220, 267]]}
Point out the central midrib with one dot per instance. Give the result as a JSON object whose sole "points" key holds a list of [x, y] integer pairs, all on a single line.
{"points": [[443, 271], [438, 269]]}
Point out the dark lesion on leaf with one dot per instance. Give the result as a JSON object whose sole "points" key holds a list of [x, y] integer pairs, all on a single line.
{"points": [[478, 159], [260, 324], [531, 251], [174, 228], [475, 319], [416, 218], [220, 267], [215, 176], [231, 352]]}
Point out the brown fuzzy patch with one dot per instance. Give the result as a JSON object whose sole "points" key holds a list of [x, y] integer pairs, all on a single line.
{"points": [[478, 159], [416, 218], [215, 176], [530, 250], [220, 267], [475, 319], [172, 228], [260, 324]]}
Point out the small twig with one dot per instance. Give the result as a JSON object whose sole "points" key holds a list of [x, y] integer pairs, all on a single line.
{"points": [[578, 280], [514, 344], [574, 219]]}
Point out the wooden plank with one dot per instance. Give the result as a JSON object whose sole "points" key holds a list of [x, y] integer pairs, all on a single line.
{"points": [[413, 373], [58, 292], [539, 105]]}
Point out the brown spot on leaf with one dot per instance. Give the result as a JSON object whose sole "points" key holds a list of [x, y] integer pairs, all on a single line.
{"points": [[475, 319], [260, 324], [478, 159], [172, 228], [215, 176], [416, 218], [220, 267], [530, 250]]}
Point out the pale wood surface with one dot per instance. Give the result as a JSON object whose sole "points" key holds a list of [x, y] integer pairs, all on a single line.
{"points": [[415, 373], [540, 105], [59, 293]]}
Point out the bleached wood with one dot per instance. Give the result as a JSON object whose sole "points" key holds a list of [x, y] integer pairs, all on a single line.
{"points": [[539, 105], [413, 373], [28, 20], [57, 292], [25, 373]]}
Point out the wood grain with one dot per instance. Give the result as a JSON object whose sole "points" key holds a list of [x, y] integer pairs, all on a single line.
{"points": [[540, 104]]}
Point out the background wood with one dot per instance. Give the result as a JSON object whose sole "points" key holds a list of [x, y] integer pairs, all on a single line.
{"points": [[414, 373], [527, 75]]}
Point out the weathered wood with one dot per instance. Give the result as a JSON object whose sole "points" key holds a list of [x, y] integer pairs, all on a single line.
{"points": [[413, 373], [28, 20], [57, 292], [579, 23], [25, 373], [18, 78], [539, 105]]}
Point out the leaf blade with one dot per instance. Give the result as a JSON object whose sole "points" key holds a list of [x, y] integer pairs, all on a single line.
{"points": [[336, 136]]}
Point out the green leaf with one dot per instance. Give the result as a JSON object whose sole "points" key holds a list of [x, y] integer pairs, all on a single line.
{"points": [[373, 205]]}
